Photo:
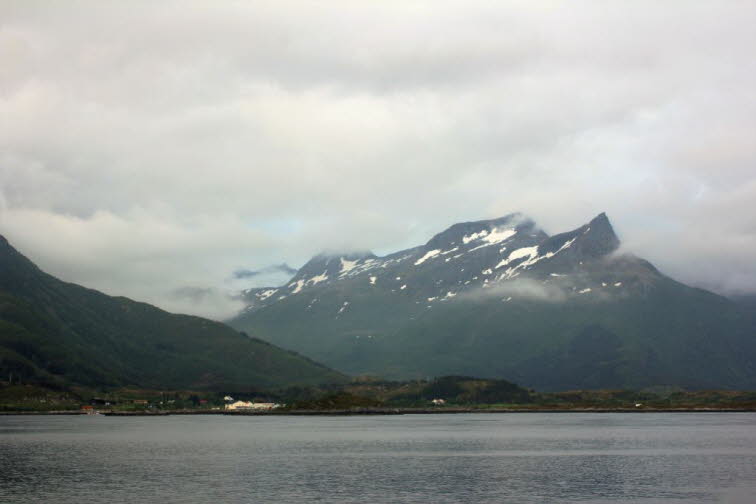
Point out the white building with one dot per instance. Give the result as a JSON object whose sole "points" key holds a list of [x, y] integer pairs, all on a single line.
{"points": [[249, 405]]}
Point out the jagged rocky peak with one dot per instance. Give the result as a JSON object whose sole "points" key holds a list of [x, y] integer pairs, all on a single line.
{"points": [[591, 241], [465, 233], [600, 238], [570, 249]]}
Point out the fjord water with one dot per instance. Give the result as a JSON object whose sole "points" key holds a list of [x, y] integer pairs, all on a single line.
{"points": [[471, 458]]}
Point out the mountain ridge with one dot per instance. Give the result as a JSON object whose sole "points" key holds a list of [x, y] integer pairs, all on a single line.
{"points": [[597, 239]]}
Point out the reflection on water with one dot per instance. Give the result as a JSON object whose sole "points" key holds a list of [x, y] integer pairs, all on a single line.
{"points": [[473, 458]]}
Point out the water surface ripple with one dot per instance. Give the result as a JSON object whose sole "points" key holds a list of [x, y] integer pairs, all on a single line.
{"points": [[470, 458]]}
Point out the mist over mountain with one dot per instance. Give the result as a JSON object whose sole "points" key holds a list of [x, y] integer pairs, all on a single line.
{"points": [[502, 298], [276, 268]]}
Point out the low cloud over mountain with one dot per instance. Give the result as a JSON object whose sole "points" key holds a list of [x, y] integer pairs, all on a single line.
{"points": [[278, 268]]}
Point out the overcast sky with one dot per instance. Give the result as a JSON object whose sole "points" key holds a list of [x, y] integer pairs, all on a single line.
{"points": [[152, 149]]}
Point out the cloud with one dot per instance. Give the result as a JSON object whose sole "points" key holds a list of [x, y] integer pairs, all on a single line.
{"points": [[276, 268], [194, 294], [210, 301], [146, 148], [520, 289]]}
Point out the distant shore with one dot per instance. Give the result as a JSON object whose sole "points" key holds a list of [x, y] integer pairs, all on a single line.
{"points": [[382, 411]]}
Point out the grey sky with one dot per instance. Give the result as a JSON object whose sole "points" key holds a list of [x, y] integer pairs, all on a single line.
{"points": [[149, 149]]}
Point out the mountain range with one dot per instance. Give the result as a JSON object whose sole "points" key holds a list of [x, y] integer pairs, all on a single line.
{"points": [[62, 334], [503, 299]]}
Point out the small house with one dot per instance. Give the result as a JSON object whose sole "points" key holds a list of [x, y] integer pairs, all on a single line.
{"points": [[249, 405]]}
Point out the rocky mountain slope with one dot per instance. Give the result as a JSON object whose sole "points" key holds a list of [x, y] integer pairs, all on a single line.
{"points": [[501, 298]]}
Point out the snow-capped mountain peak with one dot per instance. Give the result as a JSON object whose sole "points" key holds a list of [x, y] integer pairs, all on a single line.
{"points": [[465, 256]]}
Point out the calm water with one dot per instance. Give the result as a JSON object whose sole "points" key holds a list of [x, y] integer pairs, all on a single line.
{"points": [[467, 458]]}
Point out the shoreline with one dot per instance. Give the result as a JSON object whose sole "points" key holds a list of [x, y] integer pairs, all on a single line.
{"points": [[375, 411]]}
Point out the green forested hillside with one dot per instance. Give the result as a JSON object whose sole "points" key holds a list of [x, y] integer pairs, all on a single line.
{"points": [[664, 333], [61, 333]]}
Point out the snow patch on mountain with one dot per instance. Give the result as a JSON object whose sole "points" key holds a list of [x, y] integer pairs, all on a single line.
{"points": [[347, 266], [262, 296], [499, 235], [493, 237], [475, 236], [428, 255], [318, 278], [354, 268], [297, 286], [479, 247], [531, 253]]}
